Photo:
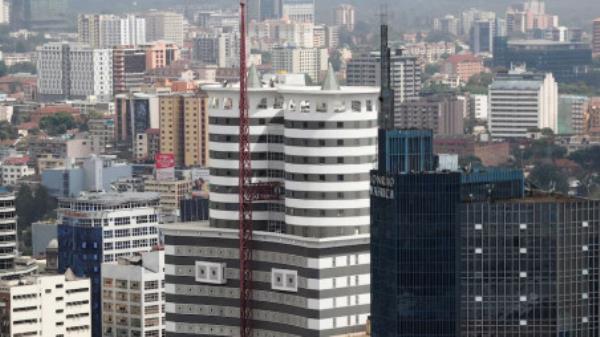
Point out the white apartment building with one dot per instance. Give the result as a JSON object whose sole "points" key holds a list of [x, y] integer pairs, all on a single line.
{"points": [[73, 70], [228, 52], [4, 12], [519, 102], [298, 10], [310, 61], [107, 31], [13, 169], [165, 26], [133, 30], [133, 298], [345, 16], [479, 106], [46, 306], [264, 35]]}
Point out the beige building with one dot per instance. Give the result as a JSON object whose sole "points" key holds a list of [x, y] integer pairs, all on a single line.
{"points": [[167, 26], [183, 128], [171, 192]]}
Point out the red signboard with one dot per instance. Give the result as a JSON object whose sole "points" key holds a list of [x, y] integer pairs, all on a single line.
{"points": [[164, 160]]}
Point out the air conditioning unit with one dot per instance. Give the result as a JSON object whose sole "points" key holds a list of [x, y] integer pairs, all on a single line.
{"points": [[210, 272], [284, 280]]}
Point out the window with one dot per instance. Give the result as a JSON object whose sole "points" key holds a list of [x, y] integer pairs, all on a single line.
{"points": [[369, 106], [356, 106], [339, 106], [149, 285], [305, 106], [263, 104], [321, 107], [478, 227], [228, 104], [478, 250], [153, 297], [122, 221]]}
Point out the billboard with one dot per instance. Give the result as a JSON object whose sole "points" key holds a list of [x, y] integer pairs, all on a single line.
{"points": [[164, 164]]}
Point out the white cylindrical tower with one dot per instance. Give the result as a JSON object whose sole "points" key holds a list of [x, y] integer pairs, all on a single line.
{"points": [[330, 148], [266, 137]]}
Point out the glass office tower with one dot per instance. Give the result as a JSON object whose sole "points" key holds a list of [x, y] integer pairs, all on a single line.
{"points": [[471, 254]]}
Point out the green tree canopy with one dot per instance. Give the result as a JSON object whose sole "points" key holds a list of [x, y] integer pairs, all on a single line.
{"points": [[549, 177], [58, 123], [7, 131], [588, 158]]}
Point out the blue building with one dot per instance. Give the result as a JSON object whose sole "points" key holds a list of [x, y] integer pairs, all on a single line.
{"points": [[472, 254], [101, 227], [567, 61], [96, 174]]}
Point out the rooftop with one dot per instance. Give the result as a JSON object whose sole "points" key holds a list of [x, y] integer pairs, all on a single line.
{"points": [[112, 198]]}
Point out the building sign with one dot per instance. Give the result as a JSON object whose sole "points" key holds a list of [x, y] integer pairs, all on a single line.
{"points": [[165, 166], [382, 186]]}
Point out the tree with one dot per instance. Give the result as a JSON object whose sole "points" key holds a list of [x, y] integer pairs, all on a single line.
{"points": [[548, 177], [32, 207], [23, 67], [57, 124], [7, 131], [544, 149], [588, 158]]}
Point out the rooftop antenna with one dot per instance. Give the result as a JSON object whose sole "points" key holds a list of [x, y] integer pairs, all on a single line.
{"points": [[386, 98]]}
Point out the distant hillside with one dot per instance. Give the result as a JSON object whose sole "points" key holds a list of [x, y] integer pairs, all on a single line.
{"points": [[406, 13]]}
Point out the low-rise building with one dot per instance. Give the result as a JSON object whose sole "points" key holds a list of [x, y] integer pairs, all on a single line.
{"points": [[15, 168], [46, 306], [133, 296], [171, 193]]}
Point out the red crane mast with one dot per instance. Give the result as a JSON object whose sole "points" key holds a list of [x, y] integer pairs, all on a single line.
{"points": [[245, 189]]}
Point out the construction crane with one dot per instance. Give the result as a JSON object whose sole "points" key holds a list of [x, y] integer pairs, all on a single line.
{"points": [[249, 191]]}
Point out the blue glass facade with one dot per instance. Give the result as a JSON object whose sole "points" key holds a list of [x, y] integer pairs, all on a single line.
{"points": [[471, 254], [567, 61], [402, 151], [414, 232], [80, 249]]}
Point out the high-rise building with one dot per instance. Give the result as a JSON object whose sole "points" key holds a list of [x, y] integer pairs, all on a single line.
{"points": [[470, 254], [129, 68], [46, 306], [98, 228], [166, 26], [470, 16], [571, 114], [567, 61], [405, 72], [270, 9], [537, 95], [596, 37], [184, 128], [443, 114], [309, 61], [4, 12], [319, 143], [482, 37], [449, 24], [108, 31], [298, 10], [133, 296], [345, 16], [161, 54], [41, 15], [8, 234], [68, 70], [134, 114], [132, 30]]}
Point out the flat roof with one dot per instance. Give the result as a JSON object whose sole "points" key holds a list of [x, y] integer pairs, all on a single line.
{"points": [[114, 198]]}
